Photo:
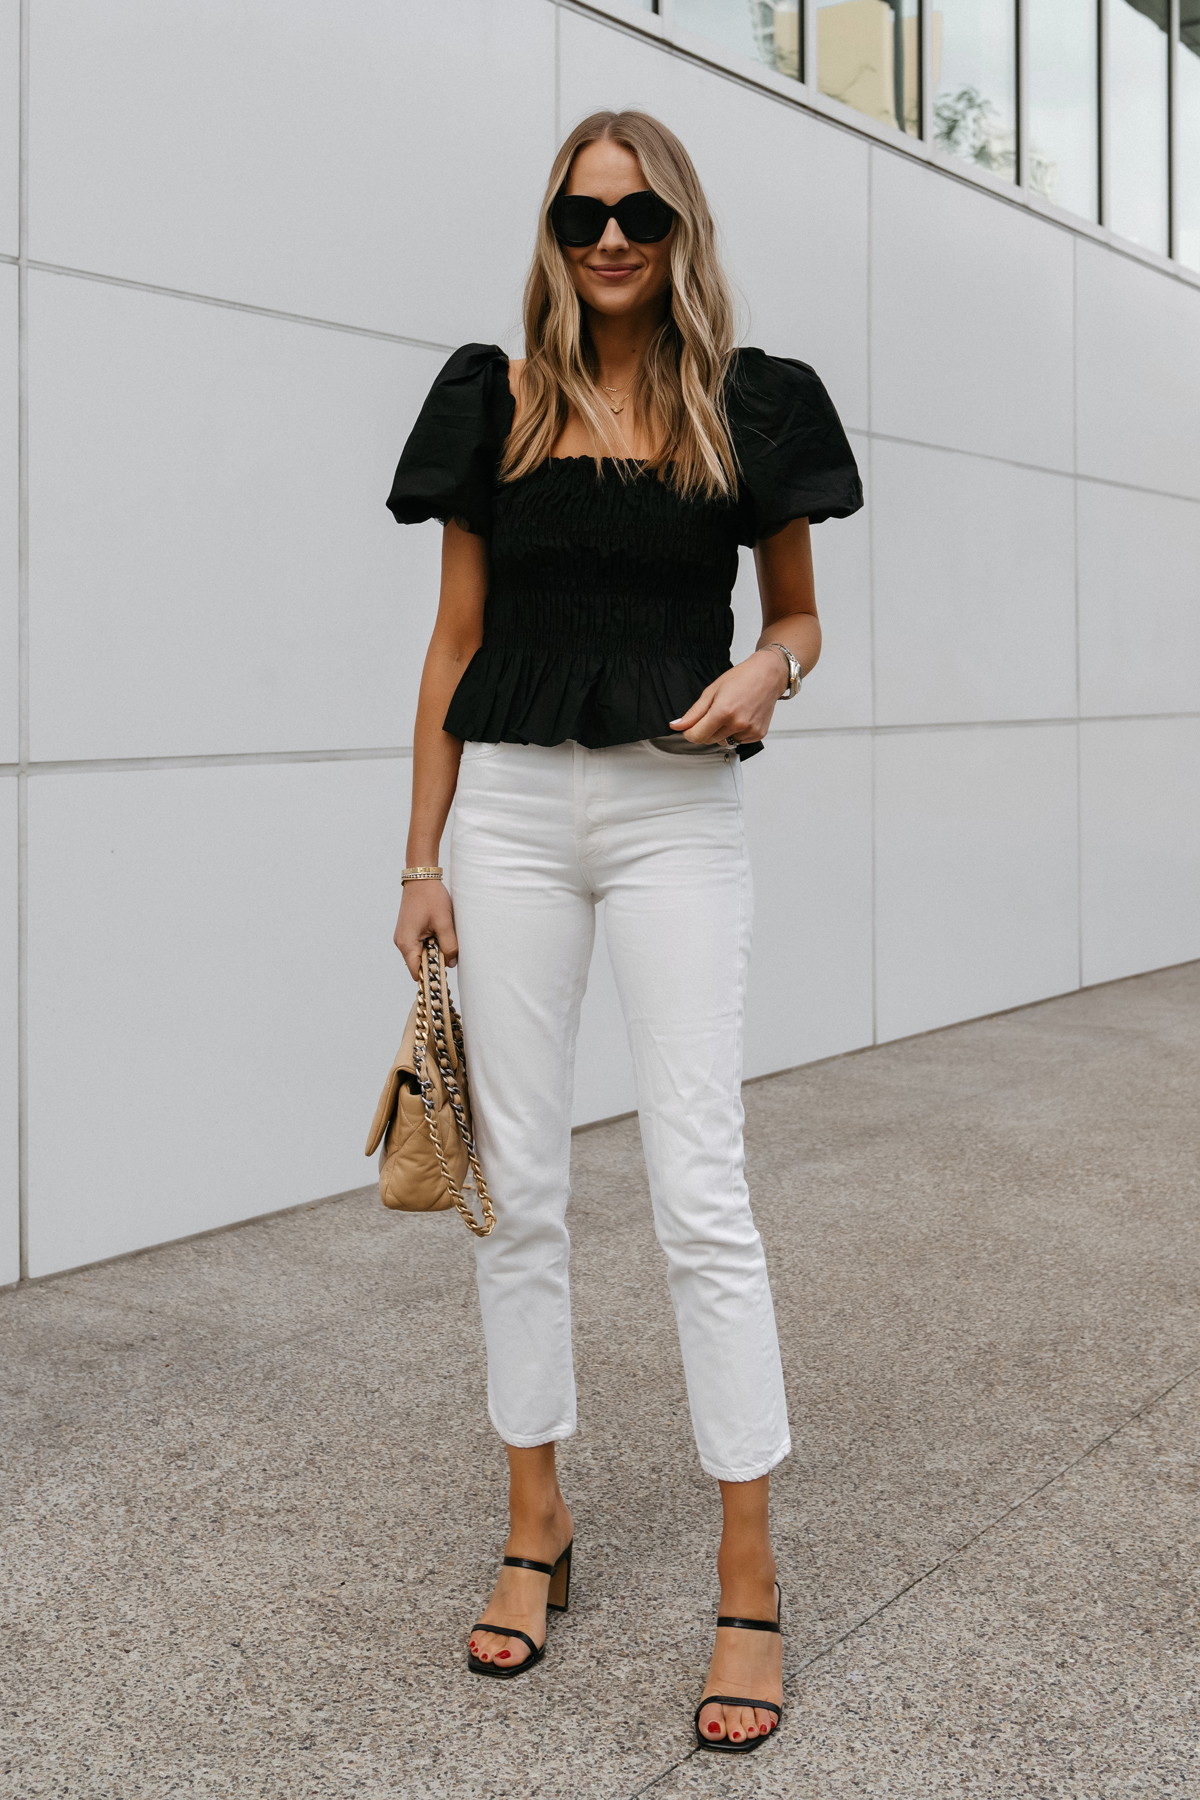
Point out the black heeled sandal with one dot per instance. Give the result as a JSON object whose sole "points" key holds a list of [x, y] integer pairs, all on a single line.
{"points": [[558, 1599], [724, 1744]]}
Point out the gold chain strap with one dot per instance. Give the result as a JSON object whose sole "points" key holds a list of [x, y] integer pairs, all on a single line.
{"points": [[431, 959]]}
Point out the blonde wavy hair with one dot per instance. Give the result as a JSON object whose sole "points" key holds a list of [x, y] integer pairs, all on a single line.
{"points": [[679, 388]]}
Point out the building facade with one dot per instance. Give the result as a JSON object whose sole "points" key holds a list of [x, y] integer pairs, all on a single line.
{"points": [[236, 243]]}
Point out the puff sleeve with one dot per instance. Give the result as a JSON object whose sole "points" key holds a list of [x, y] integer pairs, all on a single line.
{"points": [[793, 455], [447, 469]]}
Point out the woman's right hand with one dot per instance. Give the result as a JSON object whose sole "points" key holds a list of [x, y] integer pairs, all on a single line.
{"points": [[425, 911]]}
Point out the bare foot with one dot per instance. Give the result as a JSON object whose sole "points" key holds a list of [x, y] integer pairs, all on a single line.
{"points": [[744, 1662], [519, 1597]]}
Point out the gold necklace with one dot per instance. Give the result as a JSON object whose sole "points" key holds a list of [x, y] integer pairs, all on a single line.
{"points": [[616, 411]]}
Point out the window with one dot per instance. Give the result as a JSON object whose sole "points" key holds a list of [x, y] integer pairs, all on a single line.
{"points": [[1064, 127], [766, 30], [1187, 143], [975, 83], [869, 57], [1112, 119], [1136, 122]]}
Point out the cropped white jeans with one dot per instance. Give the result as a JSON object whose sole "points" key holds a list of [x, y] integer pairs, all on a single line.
{"points": [[540, 835]]}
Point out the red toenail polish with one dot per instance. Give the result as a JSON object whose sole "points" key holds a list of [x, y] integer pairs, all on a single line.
{"points": [[735, 1735], [503, 1653], [714, 1729]]}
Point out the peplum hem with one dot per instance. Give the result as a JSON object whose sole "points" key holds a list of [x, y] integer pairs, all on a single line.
{"points": [[517, 695]]}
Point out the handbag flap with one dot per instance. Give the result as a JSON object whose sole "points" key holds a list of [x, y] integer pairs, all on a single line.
{"points": [[402, 1069]]}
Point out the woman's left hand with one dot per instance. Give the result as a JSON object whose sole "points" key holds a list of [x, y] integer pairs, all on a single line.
{"points": [[738, 704]]}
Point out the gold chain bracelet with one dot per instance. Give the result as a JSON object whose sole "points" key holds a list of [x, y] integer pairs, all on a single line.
{"points": [[426, 872]]}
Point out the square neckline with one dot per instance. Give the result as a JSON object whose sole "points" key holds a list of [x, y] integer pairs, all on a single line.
{"points": [[639, 462]]}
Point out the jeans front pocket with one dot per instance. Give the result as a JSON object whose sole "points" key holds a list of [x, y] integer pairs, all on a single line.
{"points": [[671, 751]]}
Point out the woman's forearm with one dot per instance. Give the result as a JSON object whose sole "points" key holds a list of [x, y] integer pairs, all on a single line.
{"points": [[788, 590], [456, 637], [435, 757]]}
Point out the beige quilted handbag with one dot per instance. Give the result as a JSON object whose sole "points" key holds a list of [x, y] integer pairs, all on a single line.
{"points": [[423, 1120]]}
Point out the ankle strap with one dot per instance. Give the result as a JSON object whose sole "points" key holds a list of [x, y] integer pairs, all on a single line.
{"points": [[751, 1625], [523, 1562]]}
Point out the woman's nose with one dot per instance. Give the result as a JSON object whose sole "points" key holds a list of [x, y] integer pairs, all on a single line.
{"points": [[613, 238]]}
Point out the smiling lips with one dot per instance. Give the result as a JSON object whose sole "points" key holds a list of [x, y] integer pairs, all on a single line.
{"points": [[613, 272]]}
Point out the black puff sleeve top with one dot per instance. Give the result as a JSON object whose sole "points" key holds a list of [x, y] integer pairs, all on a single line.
{"points": [[608, 606]]}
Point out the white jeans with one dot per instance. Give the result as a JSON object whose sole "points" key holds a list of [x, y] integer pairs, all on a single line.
{"points": [[541, 834]]}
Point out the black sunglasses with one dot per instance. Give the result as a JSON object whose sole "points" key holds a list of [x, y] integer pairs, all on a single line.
{"points": [[581, 219]]}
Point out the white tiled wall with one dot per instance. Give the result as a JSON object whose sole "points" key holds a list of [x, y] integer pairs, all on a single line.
{"points": [[976, 873], [238, 1025], [974, 588], [8, 515], [230, 578], [970, 319], [331, 159], [1139, 374], [213, 574], [1140, 830], [9, 1192], [10, 123], [1139, 601], [808, 826]]}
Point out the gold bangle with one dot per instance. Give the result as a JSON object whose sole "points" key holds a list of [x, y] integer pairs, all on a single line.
{"points": [[426, 872]]}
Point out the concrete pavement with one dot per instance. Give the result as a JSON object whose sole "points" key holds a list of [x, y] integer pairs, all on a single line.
{"points": [[252, 1500]]}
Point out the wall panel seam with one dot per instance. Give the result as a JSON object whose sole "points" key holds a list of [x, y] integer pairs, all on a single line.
{"points": [[1135, 487], [23, 652], [1173, 133], [1075, 595], [216, 759], [250, 759], [1023, 158], [874, 898], [242, 306], [1034, 724], [1102, 86], [1013, 462]]}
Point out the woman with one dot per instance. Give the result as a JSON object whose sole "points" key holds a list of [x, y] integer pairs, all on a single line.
{"points": [[578, 705]]}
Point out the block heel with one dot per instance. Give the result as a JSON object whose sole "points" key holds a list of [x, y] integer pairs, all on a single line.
{"points": [[558, 1595]]}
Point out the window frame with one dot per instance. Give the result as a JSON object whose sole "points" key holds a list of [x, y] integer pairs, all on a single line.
{"points": [[659, 27]]}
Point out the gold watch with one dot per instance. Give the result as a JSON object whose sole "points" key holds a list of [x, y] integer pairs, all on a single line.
{"points": [[795, 673]]}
